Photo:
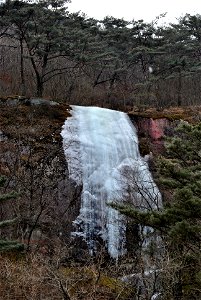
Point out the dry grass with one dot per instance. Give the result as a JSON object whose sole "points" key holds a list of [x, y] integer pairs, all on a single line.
{"points": [[26, 279], [191, 114], [34, 278]]}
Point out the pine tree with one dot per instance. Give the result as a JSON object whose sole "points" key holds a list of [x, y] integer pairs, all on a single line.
{"points": [[6, 244], [179, 222]]}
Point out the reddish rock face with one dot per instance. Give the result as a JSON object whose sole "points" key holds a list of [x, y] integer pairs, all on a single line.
{"points": [[157, 128], [151, 133]]}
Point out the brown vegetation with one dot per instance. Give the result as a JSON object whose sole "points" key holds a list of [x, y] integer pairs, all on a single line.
{"points": [[191, 114], [33, 277]]}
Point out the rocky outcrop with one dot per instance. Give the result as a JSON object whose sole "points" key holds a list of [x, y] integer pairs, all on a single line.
{"points": [[21, 100], [152, 132], [32, 159], [153, 125]]}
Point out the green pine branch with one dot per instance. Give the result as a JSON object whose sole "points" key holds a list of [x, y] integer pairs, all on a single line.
{"points": [[11, 195], [10, 246], [8, 222]]}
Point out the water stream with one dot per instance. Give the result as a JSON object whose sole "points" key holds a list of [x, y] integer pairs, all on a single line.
{"points": [[101, 148]]}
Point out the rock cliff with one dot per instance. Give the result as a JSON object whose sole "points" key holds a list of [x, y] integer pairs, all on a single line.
{"points": [[32, 159]]}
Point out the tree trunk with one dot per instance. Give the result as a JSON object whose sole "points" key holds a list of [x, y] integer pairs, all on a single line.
{"points": [[39, 81], [22, 84], [179, 90], [40, 87]]}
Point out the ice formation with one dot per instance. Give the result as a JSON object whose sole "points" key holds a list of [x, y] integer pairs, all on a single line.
{"points": [[101, 148]]}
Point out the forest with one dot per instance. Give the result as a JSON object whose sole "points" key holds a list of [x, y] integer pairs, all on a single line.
{"points": [[62, 59], [47, 51]]}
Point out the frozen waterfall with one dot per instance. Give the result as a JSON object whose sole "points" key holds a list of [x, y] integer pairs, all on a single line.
{"points": [[101, 148]]}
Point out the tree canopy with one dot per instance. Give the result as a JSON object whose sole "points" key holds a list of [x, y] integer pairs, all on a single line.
{"points": [[47, 51]]}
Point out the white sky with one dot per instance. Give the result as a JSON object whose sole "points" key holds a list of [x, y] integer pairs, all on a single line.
{"points": [[136, 9]]}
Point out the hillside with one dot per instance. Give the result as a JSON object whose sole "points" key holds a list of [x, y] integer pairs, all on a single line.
{"points": [[33, 163]]}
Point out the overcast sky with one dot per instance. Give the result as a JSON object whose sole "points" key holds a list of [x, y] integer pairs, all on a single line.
{"points": [[136, 9]]}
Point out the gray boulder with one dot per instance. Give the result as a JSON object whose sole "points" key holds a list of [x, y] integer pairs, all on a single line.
{"points": [[40, 101]]}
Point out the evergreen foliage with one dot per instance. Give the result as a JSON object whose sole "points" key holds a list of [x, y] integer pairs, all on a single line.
{"points": [[179, 222], [6, 244]]}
